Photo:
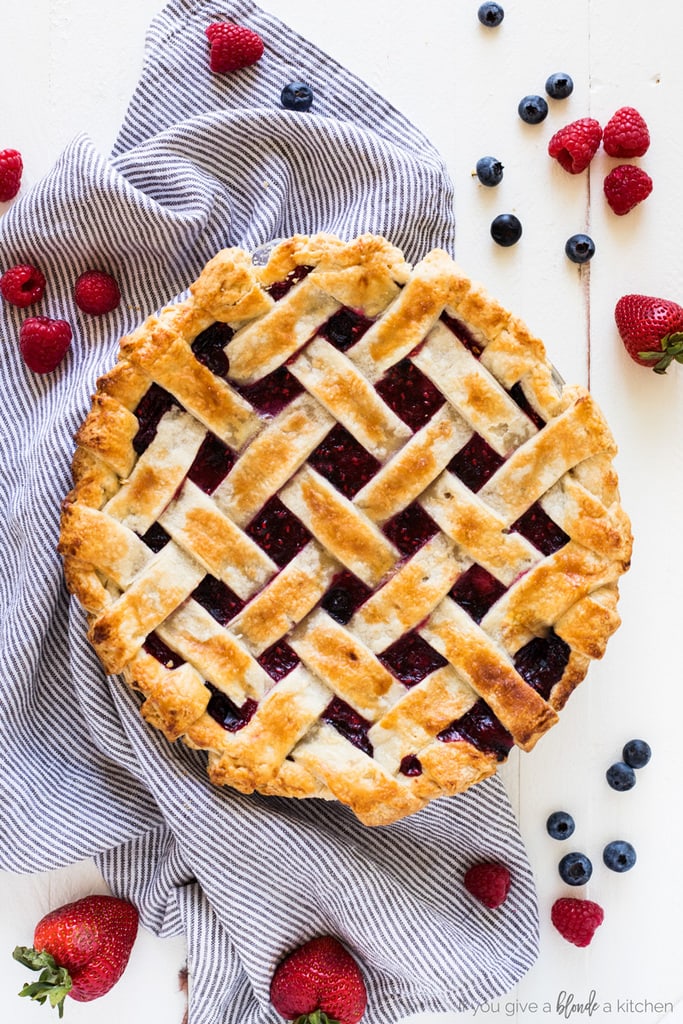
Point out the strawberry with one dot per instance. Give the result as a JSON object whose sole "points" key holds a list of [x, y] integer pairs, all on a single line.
{"points": [[44, 342], [81, 950], [651, 330], [575, 145], [489, 883], [11, 168], [625, 186], [626, 135], [319, 983], [576, 920], [232, 46]]}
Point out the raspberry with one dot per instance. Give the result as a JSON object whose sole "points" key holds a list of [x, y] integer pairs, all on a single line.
{"points": [[575, 145], [626, 135], [11, 166], [489, 883], [44, 342], [576, 920], [232, 46], [22, 285], [96, 292], [625, 186]]}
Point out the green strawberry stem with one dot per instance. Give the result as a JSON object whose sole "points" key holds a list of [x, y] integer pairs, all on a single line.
{"points": [[54, 982], [317, 1017], [671, 350]]}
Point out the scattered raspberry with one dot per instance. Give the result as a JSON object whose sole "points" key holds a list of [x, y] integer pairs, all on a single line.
{"points": [[489, 883], [575, 145], [232, 46], [22, 285], [625, 186], [576, 920], [44, 342], [626, 135], [11, 166], [96, 292]]}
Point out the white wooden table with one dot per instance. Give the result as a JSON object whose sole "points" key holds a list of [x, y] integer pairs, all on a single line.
{"points": [[70, 65]]}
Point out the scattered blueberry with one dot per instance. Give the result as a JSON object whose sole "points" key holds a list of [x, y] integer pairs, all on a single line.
{"points": [[621, 776], [489, 171], [580, 248], [559, 86], [297, 96], [506, 229], [532, 109], [619, 856], [575, 869], [490, 14], [637, 753], [560, 825]]}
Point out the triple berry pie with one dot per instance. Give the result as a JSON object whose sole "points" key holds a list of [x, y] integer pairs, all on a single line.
{"points": [[340, 523]]}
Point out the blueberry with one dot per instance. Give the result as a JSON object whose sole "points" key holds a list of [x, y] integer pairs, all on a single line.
{"points": [[489, 171], [621, 776], [490, 14], [560, 825], [619, 856], [637, 753], [580, 248], [575, 869], [559, 86], [297, 96], [506, 229], [532, 109]]}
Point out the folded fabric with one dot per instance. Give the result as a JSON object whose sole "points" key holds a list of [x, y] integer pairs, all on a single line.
{"points": [[201, 162]]}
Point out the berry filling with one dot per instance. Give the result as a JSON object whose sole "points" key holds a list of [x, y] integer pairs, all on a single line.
{"points": [[475, 463], [476, 591], [411, 659], [212, 463], [349, 723], [345, 596], [279, 660], [209, 346], [410, 394], [271, 393], [343, 461], [278, 532], [517, 395], [410, 765], [410, 529], [345, 328], [463, 334], [279, 289], [541, 662], [151, 407], [156, 537], [480, 727], [540, 529], [226, 712], [217, 599], [155, 646]]}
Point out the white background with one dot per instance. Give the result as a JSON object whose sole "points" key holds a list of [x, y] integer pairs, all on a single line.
{"points": [[68, 66]]}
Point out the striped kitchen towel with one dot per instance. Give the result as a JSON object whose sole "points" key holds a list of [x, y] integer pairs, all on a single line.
{"points": [[201, 162]]}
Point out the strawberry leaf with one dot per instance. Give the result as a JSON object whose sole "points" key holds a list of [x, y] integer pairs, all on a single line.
{"points": [[671, 349], [54, 983], [316, 1017]]}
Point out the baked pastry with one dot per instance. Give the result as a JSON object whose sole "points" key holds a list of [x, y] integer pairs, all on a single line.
{"points": [[341, 524]]}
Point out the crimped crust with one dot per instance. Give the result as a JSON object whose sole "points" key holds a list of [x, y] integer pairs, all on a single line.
{"points": [[554, 453]]}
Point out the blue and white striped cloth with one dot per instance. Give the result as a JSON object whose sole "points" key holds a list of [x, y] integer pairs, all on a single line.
{"points": [[202, 162]]}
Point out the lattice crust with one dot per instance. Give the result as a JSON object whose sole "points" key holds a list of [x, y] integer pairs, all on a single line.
{"points": [[338, 521]]}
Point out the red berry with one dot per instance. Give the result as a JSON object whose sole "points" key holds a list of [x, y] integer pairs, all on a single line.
{"points": [[22, 285], [11, 166], [319, 976], [651, 330], [575, 145], [625, 186], [489, 883], [44, 342], [576, 920], [232, 46], [626, 135], [96, 292]]}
